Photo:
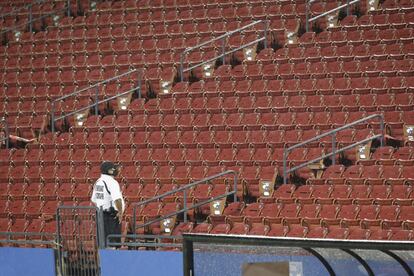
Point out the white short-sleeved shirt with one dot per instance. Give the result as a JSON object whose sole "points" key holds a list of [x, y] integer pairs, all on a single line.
{"points": [[100, 195]]}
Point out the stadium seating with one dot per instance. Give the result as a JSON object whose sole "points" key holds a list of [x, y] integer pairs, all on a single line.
{"points": [[242, 116]]}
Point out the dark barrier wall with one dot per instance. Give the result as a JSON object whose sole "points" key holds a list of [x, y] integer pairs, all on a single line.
{"points": [[148, 263], [27, 261]]}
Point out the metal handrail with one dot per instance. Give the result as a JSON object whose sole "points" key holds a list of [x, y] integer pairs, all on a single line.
{"points": [[31, 19], [9, 239], [223, 37], [184, 189], [96, 102], [309, 20], [6, 132], [22, 8], [146, 244], [334, 149]]}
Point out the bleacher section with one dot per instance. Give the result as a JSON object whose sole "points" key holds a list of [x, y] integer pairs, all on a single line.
{"points": [[241, 116]]}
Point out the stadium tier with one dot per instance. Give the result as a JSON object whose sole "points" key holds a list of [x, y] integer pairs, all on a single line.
{"points": [[239, 113]]}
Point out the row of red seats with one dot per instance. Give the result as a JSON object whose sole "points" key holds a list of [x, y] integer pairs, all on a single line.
{"points": [[380, 20], [300, 231], [358, 37], [243, 153], [363, 189], [353, 214], [248, 98], [202, 138]]}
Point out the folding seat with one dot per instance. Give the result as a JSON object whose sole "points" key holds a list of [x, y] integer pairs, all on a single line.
{"points": [[285, 71], [388, 213], [399, 193], [348, 214], [324, 86], [128, 171], [381, 156], [163, 174], [230, 104], [141, 154], [274, 88], [265, 56], [379, 193], [290, 87], [406, 213], [407, 174], [393, 50], [225, 154], [209, 155], [401, 235], [285, 120], [403, 156], [15, 208], [303, 120], [193, 154], [289, 213], [110, 154], [93, 155], [159, 155]]}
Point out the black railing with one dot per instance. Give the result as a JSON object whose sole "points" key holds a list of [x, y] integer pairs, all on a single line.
{"points": [[223, 38], [334, 149], [6, 132], [97, 102], [184, 189], [309, 20]]}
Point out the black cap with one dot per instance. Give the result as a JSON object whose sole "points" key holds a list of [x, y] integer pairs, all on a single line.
{"points": [[108, 167]]}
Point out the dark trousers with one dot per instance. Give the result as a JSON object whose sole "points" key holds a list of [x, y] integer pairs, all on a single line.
{"points": [[111, 226]]}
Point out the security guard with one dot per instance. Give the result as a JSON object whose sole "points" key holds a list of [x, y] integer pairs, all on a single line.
{"points": [[107, 195]]}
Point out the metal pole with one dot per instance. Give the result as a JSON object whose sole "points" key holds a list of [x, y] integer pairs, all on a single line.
{"points": [[235, 188], [223, 47], [58, 241], [52, 119], [68, 4], [6, 133], [266, 27], [284, 166], [181, 65], [139, 84], [188, 257], [333, 147], [347, 8], [185, 205], [134, 216], [307, 15], [382, 130], [96, 100], [100, 228], [30, 19]]}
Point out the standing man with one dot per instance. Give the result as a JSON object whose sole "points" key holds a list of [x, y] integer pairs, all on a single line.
{"points": [[107, 194]]}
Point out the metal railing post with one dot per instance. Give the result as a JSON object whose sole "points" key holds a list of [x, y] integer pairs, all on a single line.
{"points": [[185, 205], [181, 66], [134, 216], [58, 241], [333, 10], [223, 50], [333, 147], [100, 228], [382, 130], [235, 188], [6, 132], [52, 117], [347, 8], [307, 15], [284, 166], [96, 100], [139, 84], [68, 4], [30, 19]]}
